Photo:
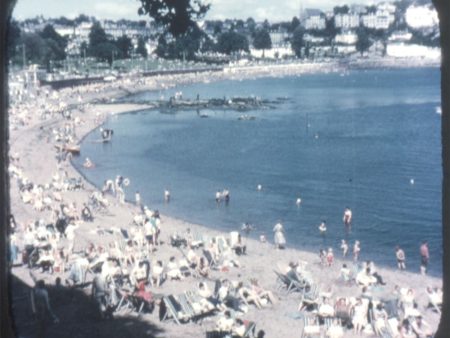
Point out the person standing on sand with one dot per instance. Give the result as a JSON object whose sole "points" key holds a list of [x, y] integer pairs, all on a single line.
{"points": [[356, 251], [425, 256], [400, 255], [40, 306], [138, 198], [279, 239], [344, 247]]}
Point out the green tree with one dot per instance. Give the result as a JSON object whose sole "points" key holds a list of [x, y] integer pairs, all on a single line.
{"points": [[141, 49], [35, 48], [262, 40], [124, 47], [363, 42], [13, 38], [294, 24], [251, 25], [97, 36], [341, 9], [100, 46], [55, 44], [231, 42], [297, 41], [176, 16]]}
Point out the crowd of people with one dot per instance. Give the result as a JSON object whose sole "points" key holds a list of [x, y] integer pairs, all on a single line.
{"points": [[129, 265]]}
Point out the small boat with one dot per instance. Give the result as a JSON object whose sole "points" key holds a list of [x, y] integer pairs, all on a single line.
{"points": [[439, 110], [203, 115], [246, 117], [73, 149]]}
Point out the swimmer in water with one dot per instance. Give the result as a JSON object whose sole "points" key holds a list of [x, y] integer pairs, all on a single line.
{"points": [[87, 163], [298, 201], [347, 219], [323, 227]]}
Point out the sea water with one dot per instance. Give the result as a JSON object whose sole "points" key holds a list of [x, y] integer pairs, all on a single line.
{"points": [[366, 139]]}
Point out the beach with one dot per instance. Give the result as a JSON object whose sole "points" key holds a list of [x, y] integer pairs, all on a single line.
{"points": [[33, 148]]}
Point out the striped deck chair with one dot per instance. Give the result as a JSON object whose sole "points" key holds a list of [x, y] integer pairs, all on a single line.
{"points": [[333, 327], [250, 328], [311, 327], [310, 298], [172, 310], [209, 257], [187, 307]]}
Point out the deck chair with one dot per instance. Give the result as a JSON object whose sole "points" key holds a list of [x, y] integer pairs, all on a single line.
{"points": [[197, 240], [187, 307], [310, 298], [172, 310], [250, 328], [333, 327], [392, 327], [125, 303], [311, 327], [198, 302], [211, 261]]}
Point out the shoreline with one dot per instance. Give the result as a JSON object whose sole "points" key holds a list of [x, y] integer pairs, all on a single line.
{"points": [[250, 267]]}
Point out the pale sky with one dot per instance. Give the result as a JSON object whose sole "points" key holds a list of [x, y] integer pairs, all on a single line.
{"points": [[273, 10]]}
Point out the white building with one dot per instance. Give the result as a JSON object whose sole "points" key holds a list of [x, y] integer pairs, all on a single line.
{"points": [[314, 19], [346, 21], [346, 38], [400, 36], [421, 17], [402, 50], [378, 20]]}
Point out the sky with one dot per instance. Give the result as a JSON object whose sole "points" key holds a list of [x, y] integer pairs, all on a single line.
{"points": [[273, 10]]}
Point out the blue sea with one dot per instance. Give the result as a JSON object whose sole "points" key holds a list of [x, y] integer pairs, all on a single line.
{"points": [[366, 139]]}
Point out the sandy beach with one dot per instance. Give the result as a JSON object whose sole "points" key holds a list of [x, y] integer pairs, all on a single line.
{"points": [[33, 151]]}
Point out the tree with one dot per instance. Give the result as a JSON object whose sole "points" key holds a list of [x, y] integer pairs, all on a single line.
{"points": [[124, 47], [341, 9], [231, 42], [182, 47], [141, 49], [176, 16], [262, 40], [49, 33], [294, 24], [97, 35], [99, 45], [13, 37], [297, 41], [251, 25], [363, 42]]}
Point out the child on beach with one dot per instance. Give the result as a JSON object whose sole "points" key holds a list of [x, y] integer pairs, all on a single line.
{"points": [[344, 247], [400, 254], [279, 239], [330, 256], [356, 251]]}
